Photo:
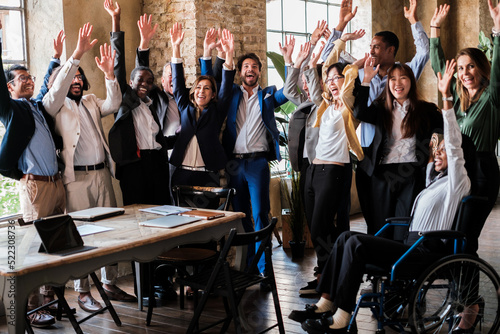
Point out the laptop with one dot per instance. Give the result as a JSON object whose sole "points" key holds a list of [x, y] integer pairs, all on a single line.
{"points": [[59, 236], [169, 221], [96, 213]]}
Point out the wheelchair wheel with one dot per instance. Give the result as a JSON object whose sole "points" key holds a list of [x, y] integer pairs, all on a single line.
{"points": [[445, 290]]}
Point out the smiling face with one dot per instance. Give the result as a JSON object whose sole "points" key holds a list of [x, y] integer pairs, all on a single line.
{"points": [[203, 93], [250, 73], [334, 82], [76, 89], [166, 80], [399, 85], [440, 158], [468, 73], [19, 89], [304, 86], [142, 83], [380, 52]]}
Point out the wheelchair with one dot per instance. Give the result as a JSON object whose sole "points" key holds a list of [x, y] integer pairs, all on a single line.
{"points": [[429, 295]]}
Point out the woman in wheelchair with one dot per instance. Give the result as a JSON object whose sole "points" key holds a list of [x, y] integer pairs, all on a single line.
{"points": [[433, 209]]}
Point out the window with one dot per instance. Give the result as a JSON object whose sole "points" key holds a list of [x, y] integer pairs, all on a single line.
{"points": [[13, 52], [13, 37], [298, 18]]}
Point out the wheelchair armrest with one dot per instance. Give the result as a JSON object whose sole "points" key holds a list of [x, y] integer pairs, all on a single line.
{"points": [[405, 221], [443, 234]]}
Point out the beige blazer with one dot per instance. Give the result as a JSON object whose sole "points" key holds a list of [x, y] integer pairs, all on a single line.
{"points": [[67, 117]]}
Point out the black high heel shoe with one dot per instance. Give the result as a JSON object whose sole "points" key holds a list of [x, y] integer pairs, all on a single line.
{"points": [[479, 316]]}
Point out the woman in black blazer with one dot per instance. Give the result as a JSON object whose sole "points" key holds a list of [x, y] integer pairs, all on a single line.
{"points": [[397, 157], [198, 153]]}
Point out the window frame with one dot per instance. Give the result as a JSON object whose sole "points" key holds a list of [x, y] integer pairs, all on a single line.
{"points": [[22, 11]]}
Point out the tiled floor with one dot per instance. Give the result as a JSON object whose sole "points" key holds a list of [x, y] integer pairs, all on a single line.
{"points": [[257, 306]]}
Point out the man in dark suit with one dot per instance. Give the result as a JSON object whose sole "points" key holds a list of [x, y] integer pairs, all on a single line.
{"points": [[251, 140], [136, 141], [28, 154]]}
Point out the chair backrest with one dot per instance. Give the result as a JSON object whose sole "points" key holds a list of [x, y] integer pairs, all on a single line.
{"points": [[470, 219], [242, 239], [203, 197]]}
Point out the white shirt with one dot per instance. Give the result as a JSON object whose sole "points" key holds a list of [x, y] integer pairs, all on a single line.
{"points": [[250, 129], [89, 149], [173, 118], [398, 149], [332, 142], [145, 127]]}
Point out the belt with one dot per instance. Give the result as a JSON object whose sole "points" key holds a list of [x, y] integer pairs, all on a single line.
{"points": [[195, 169], [33, 177], [250, 155], [91, 167]]}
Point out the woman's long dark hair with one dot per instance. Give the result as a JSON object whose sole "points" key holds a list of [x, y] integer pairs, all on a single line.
{"points": [[412, 121]]}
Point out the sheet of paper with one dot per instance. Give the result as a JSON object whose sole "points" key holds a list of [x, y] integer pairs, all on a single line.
{"points": [[165, 210], [92, 229]]}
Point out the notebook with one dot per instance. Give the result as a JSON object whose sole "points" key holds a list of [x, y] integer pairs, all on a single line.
{"points": [[203, 214], [96, 213], [59, 236], [170, 221]]}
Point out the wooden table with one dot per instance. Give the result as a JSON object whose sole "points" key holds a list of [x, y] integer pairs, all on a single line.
{"points": [[26, 269]]}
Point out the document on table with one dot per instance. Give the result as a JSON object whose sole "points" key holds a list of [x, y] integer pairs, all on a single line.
{"points": [[165, 210], [92, 229]]}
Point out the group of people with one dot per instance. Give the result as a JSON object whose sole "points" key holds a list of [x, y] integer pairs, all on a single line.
{"points": [[412, 158], [56, 147]]}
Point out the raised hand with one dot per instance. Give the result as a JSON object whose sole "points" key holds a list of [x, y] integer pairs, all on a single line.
{"points": [[315, 56], [495, 15], [146, 30], [58, 44], [287, 49], [411, 13], [352, 36], [84, 43], [303, 53], [444, 81], [176, 37], [318, 32], [327, 33], [439, 15], [361, 61], [370, 72], [107, 62], [227, 44], [210, 42], [346, 14], [113, 10]]}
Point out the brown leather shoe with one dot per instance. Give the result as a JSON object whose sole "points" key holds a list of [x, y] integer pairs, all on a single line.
{"points": [[41, 319], [120, 296], [52, 309], [89, 305]]}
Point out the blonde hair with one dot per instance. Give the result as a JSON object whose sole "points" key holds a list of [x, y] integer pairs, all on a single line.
{"points": [[484, 68]]}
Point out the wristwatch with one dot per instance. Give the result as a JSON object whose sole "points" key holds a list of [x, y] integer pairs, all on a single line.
{"points": [[449, 98], [494, 33]]}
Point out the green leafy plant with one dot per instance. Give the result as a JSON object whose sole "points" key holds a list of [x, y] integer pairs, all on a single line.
{"points": [[485, 45]]}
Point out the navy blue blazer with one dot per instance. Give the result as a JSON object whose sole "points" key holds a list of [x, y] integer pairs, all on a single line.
{"points": [[207, 127], [269, 99], [17, 117]]}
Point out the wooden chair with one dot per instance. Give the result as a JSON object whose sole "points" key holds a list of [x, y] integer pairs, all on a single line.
{"points": [[195, 255], [230, 283]]}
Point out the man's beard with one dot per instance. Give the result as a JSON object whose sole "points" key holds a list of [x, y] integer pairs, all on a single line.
{"points": [[74, 97]]}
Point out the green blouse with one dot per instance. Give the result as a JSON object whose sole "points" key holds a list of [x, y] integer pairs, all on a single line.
{"points": [[481, 121]]}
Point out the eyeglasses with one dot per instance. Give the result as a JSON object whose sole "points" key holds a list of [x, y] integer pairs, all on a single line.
{"points": [[334, 79], [23, 79], [79, 77]]}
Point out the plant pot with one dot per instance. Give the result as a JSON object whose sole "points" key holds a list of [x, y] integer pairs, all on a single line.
{"points": [[297, 249]]}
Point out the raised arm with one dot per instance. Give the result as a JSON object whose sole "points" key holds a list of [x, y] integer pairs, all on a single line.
{"points": [[117, 43], [5, 108], [313, 81], [114, 11], [361, 110], [452, 136], [339, 47], [147, 31], [181, 93], [113, 96], [210, 42], [346, 14], [420, 38], [54, 99], [225, 89], [176, 37], [287, 49], [495, 59]]}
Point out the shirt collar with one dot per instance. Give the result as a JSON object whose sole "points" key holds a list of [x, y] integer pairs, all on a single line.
{"points": [[254, 90], [403, 108]]}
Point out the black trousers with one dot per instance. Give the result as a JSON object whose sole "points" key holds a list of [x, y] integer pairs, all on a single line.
{"points": [[345, 267], [145, 181], [323, 189], [393, 190]]}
